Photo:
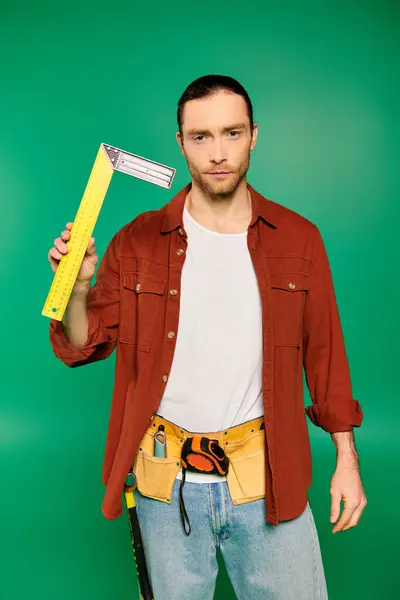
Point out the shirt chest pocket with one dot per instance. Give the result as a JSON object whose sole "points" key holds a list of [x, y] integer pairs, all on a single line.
{"points": [[288, 296], [141, 300]]}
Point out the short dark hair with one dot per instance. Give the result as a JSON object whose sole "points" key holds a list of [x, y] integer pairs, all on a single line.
{"points": [[208, 85]]}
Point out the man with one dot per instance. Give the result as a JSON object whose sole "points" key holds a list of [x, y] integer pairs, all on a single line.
{"points": [[248, 282]]}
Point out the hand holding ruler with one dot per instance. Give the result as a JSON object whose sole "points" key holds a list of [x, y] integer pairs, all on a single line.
{"points": [[109, 159]]}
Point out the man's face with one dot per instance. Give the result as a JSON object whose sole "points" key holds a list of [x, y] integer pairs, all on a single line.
{"points": [[216, 136]]}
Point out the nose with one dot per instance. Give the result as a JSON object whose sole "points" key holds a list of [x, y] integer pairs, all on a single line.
{"points": [[218, 152]]}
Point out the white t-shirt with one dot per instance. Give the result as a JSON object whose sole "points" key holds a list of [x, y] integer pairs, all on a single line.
{"points": [[216, 374]]}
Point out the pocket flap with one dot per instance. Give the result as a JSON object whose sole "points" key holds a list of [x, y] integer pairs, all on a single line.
{"points": [[291, 282], [142, 282]]}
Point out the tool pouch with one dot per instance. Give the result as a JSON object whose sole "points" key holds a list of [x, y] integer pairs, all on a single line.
{"points": [[203, 455]]}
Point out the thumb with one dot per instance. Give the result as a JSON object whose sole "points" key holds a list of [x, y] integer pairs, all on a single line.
{"points": [[91, 247], [335, 507]]}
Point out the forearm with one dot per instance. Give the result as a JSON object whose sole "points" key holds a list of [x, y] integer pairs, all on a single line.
{"points": [[75, 320], [346, 452]]}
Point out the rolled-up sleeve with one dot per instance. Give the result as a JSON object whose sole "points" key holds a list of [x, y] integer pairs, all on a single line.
{"points": [[103, 316], [325, 360]]}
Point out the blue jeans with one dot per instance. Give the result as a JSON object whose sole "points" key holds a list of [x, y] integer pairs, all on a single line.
{"points": [[263, 561]]}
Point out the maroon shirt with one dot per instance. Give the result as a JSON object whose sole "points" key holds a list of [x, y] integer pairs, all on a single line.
{"points": [[134, 305]]}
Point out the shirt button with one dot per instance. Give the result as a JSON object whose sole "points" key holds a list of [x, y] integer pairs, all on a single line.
{"points": [[171, 334], [180, 251], [165, 378], [137, 288], [173, 292], [180, 231], [292, 285]]}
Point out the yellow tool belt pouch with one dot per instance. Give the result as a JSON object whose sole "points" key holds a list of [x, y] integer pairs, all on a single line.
{"points": [[236, 452]]}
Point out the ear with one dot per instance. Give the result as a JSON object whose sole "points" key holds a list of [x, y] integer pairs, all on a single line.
{"points": [[254, 136], [179, 139]]}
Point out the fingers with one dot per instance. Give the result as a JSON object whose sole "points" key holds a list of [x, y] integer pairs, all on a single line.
{"points": [[59, 243], [60, 247], [335, 507], [65, 235], [356, 515], [54, 257], [354, 518], [345, 518], [54, 254]]}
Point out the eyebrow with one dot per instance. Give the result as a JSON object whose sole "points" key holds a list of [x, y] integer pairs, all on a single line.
{"points": [[204, 131]]}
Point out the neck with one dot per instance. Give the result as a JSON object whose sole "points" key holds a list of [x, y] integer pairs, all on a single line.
{"points": [[220, 213]]}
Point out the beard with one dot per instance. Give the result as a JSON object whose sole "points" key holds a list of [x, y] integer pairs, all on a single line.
{"points": [[223, 187]]}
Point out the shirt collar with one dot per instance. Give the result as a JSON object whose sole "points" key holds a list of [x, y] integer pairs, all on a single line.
{"points": [[261, 208]]}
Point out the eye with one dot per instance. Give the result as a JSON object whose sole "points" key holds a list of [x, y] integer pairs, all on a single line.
{"points": [[197, 138], [235, 132]]}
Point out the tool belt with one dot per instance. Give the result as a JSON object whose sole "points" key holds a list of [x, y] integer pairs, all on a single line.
{"points": [[237, 453]]}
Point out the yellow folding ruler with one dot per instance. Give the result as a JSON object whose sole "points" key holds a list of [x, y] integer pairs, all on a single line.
{"points": [[108, 160]]}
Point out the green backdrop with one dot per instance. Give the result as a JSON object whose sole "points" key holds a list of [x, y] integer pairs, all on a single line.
{"points": [[323, 78]]}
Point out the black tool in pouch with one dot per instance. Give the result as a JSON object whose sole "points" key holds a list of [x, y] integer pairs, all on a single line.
{"points": [[202, 455]]}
